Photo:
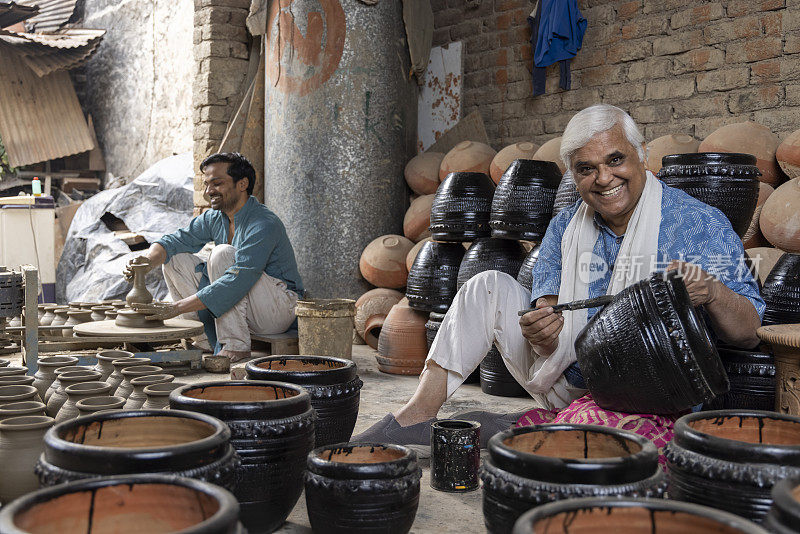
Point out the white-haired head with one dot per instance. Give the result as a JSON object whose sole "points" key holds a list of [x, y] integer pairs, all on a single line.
{"points": [[593, 120]]}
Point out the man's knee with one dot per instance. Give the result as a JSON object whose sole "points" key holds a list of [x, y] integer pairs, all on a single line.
{"points": [[222, 257], [490, 280], [179, 264]]}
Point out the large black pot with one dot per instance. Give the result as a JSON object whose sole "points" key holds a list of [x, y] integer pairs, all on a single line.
{"points": [[649, 351], [272, 428], [632, 516], [495, 378], [490, 253], [781, 291], [730, 459], [534, 465], [566, 195], [433, 279], [523, 201], [525, 274], [363, 488], [784, 516], [333, 384], [461, 207], [125, 503], [182, 443], [726, 181], [752, 378]]}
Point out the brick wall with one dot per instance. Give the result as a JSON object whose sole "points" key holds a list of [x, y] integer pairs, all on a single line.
{"points": [[676, 66]]}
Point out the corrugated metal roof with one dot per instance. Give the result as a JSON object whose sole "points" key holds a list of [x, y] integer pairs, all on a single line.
{"points": [[53, 14], [40, 117], [11, 13], [45, 53]]}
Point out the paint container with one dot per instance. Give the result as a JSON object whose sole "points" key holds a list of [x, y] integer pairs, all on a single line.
{"points": [[455, 455]]}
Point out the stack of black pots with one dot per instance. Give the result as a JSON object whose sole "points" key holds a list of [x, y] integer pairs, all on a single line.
{"points": [[752, 378], [781, 291]]}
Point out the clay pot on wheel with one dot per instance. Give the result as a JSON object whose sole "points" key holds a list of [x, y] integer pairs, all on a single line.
{"points": [[418, 218], [383, 262], [730, 459], [748, 138], [76, 392], [92, 405], [525, 274], [371, 310], [18, 409], [20, 447], [752, 378], [402, 346], [462, 207], [158, 395], [491, 253], [422, 172], [105, 360], [362, 487], [667, 145], [507, 155], [778, 221], [784, 516], [272, 427], [433, 278], [467, 156], [137, 396], [139, 293], [66, 379], [134, 503], [531, 466], [781, 292], [46, 373]]}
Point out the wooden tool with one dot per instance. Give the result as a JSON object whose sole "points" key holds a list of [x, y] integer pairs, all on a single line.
{"points": [[576, 304]]}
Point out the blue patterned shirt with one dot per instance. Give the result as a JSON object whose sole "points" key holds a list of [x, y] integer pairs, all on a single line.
{"points": [[690, 230]]}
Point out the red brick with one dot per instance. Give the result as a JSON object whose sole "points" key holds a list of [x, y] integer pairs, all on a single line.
{"points": [[580, 98], [753, 50], [628, 51], [765, 71], [677, 43], [606, 74], [501, 77], [650, 113], [623, 93], [723, 80], [756, 97], [698, 60], [670, 88], [650, 68], [772, 23], [732, 29], [697, 15], [629, 9], [588, 58], [737, 8], [505, 5], [501, 59], [643, 27], [701, 106]]}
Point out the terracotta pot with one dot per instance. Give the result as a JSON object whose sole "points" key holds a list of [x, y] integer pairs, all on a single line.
{"points": [[462, 207], [730, 459], [131, 503], [374, 303], [17, 393], [422, 172], [784, 516], [272, 427], [788, 155], [387, 478], [534, 465], [525, 274], [748, 138], [523, 201], [128, 373], [781, 291], [92, 405], [753, 237], [76, 392], [57, 383], [491, 254], [18, 409], [614, 514], [433, 279], [550, 152], [467, 156], [728, 182], [566, 195], [46, 373], [752, 378], [402, 346], [66, 379], [13, 370], [412, 254], [137, 397], [105, 360], [764, 259], [667, 145], [333, 384], [418, 218], [115, 378], [779, 221], [383, 262], [20, 447], [650, 333], [495, 378], [507, 155], [99, 312], [139, 293], [127, 442], [158, 395]]}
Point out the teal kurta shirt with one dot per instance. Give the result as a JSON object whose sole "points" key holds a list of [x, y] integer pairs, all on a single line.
{"points": [[261, 243]]}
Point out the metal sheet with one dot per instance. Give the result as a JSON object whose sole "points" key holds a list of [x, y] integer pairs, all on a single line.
{"points": [[40, 117], [53, 14], [46, 53], [440, 97], [11, 13]]}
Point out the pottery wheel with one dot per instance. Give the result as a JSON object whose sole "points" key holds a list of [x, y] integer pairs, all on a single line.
{"points": [[172, 329]]}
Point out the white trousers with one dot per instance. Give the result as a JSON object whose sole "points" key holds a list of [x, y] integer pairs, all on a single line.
{"points": [[483, 312], [267, 309]]}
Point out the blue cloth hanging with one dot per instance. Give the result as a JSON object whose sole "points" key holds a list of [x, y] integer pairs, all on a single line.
{"points": [[557, 32]]}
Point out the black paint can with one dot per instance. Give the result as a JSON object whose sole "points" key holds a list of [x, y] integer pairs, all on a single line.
{"points": [[455, 455]]}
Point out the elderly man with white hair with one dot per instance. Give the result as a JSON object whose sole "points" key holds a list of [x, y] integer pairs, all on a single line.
{"points": [[626, 225]]}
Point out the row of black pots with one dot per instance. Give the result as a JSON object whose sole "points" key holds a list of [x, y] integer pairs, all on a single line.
{"points": [[781, 291]]}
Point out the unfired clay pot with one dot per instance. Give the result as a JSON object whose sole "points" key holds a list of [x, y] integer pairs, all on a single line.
{"points": [[59, 397], [503, 159], [371, 310], [61, 318], [418, 218], [550, 152], [422, 172], [17, 393], [780, 217], [667, 145], [748, 138], [18, 409], [139, 294], [49, 314], [788, 155], [46, 373], [383, 262], [115, 378], [467, 156], [76, 317], [402, 345], [125, 387], [12, 380], [137, 397], [104, 361], [20, 447], [158, 395], [56, 384], [99, 404], [99, 312], [11, 370], [412, 254], [76, 392]]}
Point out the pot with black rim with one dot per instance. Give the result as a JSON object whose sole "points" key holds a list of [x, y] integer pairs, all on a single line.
{"points": [[534, 465], [433, 278], [730, 459], [143, 441], [362, 487], [784, 516], [781, 291], [333, 384], [151, 503], [272, 427], [752, 378], [461, 207]]}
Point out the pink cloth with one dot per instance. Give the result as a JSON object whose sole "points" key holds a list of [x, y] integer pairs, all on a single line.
{"points": [[656, 428]]}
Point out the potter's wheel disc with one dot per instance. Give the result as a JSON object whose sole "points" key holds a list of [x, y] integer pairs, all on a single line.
{"points": [[172, 329]]}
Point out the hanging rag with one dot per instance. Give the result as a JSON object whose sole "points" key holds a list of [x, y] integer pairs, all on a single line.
{"points": [[557, 29]]}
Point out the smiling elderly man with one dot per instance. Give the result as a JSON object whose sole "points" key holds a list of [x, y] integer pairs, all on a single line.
{"points": [[626, 225]]}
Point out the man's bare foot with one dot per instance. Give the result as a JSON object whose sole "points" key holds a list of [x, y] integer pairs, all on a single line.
{"points": [[235, 355]]}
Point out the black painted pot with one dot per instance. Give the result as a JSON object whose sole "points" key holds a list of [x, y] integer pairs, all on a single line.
{"points": [[431, 329], [649, 351], [461, 207], [272, 429], [726, 181], [781, 291], [523, 201], [643, 516], [534, 465], [455, 455], [784, 516], [525, 274], [362, 487], [752, 378], [130, 503], [566, 195], [730, 459], [433, 279], [110, 443], [490, 253], [333, 384], [495, 378]]}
